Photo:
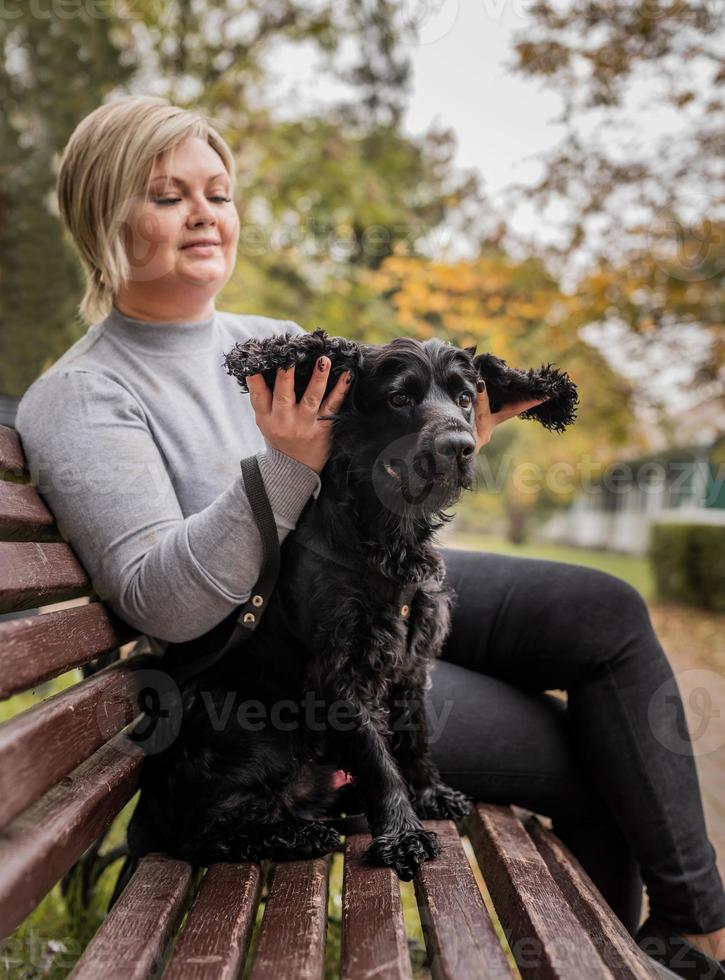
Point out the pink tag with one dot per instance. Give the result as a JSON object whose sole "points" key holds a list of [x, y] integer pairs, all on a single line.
{"points": [[340, 778]]}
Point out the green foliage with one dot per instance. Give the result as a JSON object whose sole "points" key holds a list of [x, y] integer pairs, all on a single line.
{"points": [[53, 70], [689, 563], [50, 941], [321, 197]]}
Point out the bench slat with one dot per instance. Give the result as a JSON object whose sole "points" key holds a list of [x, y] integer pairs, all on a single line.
{"points": [[12, 459], [48, 838], [36, 648], [614, 943], [24, 516], [132, 941], [459, 934], [40, 746], [293, 931], [37, 574], [215, 940], [545, 937], [373, 929]]}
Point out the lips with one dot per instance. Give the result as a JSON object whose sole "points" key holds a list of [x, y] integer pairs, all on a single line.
{"points": [[199, 244]]}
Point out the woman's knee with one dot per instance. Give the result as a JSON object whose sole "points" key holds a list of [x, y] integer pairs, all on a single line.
{"points": [[611, 618], [501, 744]]}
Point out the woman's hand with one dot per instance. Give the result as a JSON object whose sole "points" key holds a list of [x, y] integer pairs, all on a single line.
{"points": [[294, 428], [486, 421]]}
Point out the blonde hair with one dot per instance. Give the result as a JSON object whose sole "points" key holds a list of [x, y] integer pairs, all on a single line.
{"points": [[108, 162]]}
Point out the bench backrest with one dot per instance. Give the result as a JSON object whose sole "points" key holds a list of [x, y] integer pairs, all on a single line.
{"points": [[66, 768]]}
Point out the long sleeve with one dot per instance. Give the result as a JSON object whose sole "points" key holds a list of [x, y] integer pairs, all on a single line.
{"points": [[94, 460]]}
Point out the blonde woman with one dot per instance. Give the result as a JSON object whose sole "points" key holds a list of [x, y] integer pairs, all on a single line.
{"points": [[134, 437]]}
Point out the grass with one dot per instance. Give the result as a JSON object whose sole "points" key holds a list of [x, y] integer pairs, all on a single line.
{"points": [[631, 568]]}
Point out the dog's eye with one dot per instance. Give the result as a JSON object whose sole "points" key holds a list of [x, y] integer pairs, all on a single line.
{"points": [[398, 400], [465, 400]]}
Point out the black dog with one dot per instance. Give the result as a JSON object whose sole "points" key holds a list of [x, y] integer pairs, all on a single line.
{"points": [[335, 674]]}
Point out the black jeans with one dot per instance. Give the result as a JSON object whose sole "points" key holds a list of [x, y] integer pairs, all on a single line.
{"points": [[597, 763]]}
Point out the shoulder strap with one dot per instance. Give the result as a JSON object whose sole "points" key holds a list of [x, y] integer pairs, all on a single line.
{"points": [[185, 660], [251, 612]]}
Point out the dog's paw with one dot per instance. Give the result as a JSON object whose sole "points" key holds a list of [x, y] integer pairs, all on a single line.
{"points": [[404, 852], [440, 802], [295, 841]]}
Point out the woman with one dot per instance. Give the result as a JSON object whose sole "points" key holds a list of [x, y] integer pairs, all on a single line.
{"points": [[158, 515]]}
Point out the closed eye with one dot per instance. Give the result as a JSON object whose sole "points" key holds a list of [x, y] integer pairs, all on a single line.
{"points": [[175, 200]]}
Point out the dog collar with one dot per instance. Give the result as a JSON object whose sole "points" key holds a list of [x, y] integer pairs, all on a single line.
{"points": [[306, 539]]}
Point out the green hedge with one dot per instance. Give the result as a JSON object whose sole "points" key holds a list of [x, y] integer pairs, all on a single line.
{"points": [[688, 561]]}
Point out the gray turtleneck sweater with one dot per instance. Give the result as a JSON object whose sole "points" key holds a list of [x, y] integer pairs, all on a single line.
{"points": [[134, 438]]}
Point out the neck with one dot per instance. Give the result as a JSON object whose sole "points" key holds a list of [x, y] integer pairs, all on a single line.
{"points": [[162, 309]]}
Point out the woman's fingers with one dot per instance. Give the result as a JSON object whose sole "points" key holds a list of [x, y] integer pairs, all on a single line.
{"points": [[315, 391], [516, 408], [334, 400], [283, 396], [259, 394]]}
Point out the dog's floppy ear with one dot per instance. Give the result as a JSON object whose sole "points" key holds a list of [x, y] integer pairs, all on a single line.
{"points": [[508, 384], [282, 351]]}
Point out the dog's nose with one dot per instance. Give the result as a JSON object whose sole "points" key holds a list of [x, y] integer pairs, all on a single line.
{"points": [[456, 443]]}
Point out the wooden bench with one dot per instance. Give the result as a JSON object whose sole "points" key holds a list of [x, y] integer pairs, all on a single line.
{"points": [[67, 769]]}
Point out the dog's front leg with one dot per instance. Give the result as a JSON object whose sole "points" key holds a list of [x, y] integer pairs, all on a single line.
{"points": [[399, 839], [432, 799]]}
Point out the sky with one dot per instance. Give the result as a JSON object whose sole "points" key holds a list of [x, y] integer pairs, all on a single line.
{"points": [[460, 81]]}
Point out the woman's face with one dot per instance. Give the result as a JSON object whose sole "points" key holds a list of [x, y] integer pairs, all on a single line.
{"points": [[190, 200]]}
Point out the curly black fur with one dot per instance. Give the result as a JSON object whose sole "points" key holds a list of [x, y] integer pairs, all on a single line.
{"points": [[228, 790]]}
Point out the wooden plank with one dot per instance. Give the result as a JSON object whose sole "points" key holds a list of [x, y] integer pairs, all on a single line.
{"points": [[36, 648], [40, 746], [615, 946], [459, 934], [12, 458], [37, 574], [24, 516], [48, 838], [373, 929], [133, 939], [546, 939], [215, 940], [293, 931]]}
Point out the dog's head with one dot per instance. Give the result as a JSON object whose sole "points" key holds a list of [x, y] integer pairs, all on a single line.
{"points": [[407, 424]]}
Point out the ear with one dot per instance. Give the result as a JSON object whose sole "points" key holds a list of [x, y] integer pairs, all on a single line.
{"points": [[507, 384], [303, 350]]}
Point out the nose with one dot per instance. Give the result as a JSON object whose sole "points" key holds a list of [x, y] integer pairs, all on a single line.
{"points": [[201, 214], [456, 443]]}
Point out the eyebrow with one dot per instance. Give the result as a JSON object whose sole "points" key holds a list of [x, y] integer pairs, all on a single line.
{"points": [[178, 180]]}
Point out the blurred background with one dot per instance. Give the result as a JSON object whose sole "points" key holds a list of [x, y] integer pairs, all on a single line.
{"points": [[544, 180]]}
